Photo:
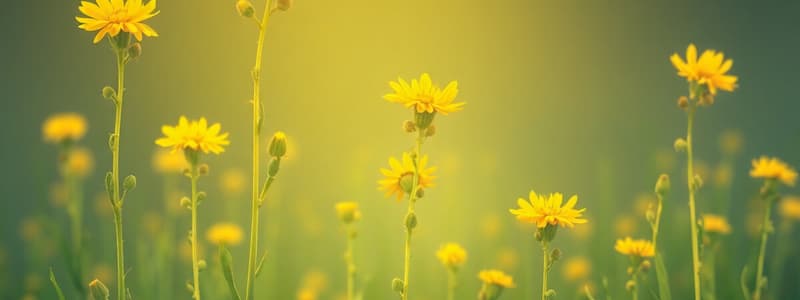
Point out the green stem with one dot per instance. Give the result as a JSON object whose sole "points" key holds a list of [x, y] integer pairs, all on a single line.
{"points": [[452, 283], [657, 222], [412, 200], [545, 268], [692, 209], [780, 259], [121, 291], [765, 229], [195, 259], [635, 290], [351, 266], [255, 204]]}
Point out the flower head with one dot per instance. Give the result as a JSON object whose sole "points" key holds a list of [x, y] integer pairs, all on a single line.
{"points": [[773, 168], [424, 96], [548, 210], [79, 162], [165, 161], [708, 70], [348, 211], [716, 224], [225, 234], [497, 278], [399, 179], [452, 255], [64, 127], [110, 17], [635, 248], [195, 135], [789, 208]]}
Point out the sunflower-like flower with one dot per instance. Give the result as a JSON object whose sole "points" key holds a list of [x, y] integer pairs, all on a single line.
{"points": [[708, 70], [548, 210], [773, 168], [399, 179], [110, 17], [496, 277], [424, 96], [165, 161], [635, 248], [64, 127], [225, 234], [348, 211], [789, 208], [452, 255], [716, 224], [195, 136]]}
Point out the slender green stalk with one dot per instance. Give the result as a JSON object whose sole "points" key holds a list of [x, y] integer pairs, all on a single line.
{"points": [[692, 108], [452, 283], [412, 201], [351, 266], [635, 290], [195, 259], [657, 221], [765, 230], [116, 201], [545, 267], [72, 183], [256, 203], [781, 253]]}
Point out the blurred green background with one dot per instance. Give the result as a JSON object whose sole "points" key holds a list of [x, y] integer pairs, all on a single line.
{"points": [[570, 96]]}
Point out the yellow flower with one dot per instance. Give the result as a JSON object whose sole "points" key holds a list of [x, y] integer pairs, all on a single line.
{"points": [[307, 294], [424, 96], [195, 136], [789, 208], [64, 127], [716, 224], [224, 234], [315, 280], [496, 277], [708, 70], [348, 211], [547, 210], [232, 182], [399, 180], [637, 248], [577, 268], [166, 161], [112, 16], [773, 168], [79, 162], [452, 255]]}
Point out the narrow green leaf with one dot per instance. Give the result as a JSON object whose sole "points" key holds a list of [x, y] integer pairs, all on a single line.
{"points": [[743, 282], [56, 286], [227, 270], [260, 264], [663, 278]]}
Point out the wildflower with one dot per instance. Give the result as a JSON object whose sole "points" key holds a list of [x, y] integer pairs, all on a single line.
{"points": [[709, 70], [195, 136], [79, 162], [494, 282], [64, 128], [577, 268], [452, 255], [773, 168], [789, 208], [548, 210], [399, 179], [225, 234], [245, 8], [716, 224], [307, 294], [635, 248], [424, 96], [110, 17], [348, 212]]}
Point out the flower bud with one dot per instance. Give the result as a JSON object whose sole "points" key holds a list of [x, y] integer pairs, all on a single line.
{"points": [[203, 169], [135, 50], [129, 183], [411, 221], [202, 265], [420, 193], [630, 285], [397, 285], [109, 93], [201, 196], [683, 102], [285, 5], [98, 290], [645, 266], [430, 131], [650, 216], [245, 8], [680, 145], [186, 202], [423, 119], [277, 146], [407, 182], [409, 126], [698, 182], [555, 255], [663, 185]]}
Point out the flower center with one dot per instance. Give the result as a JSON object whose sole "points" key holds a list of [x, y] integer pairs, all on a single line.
{"points": [[119, 16]]}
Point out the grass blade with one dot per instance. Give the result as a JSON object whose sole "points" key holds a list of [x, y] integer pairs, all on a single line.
{"points": [[55, 285], [663, 278]]}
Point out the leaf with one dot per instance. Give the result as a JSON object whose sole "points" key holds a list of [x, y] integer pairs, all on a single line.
{"points": [[260, 264], [227, 270], [663, 278], [56, 286], [742, 281]]}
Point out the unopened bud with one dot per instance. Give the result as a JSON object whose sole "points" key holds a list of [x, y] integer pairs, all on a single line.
{"points": [[680, 145], [430, 131], [555, 254], [98, 290], [129, 183], [202, 265], [203, 169], [650, 216], [397, 285], [630, 285], [245, 8], [409, 126], [420, 193], [277, 146], [109, 92], [645, 266], [698, 182], [683, 102], [663, 185], [284, 5], [135, 50], [201, 196], [411, 221], [186, 202]]}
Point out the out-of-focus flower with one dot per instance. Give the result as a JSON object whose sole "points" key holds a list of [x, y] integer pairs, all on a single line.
{"points": [[232, 182], [789, 208], [773, 168], [577, 268], [635, 248], [225, 234], [79, 162], [452, 255], [716, 224], [165, 161], [64, 127]]}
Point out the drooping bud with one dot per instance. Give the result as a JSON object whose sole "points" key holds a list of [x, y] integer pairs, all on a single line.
{"points": [[202, 265], [409, 126], [203, 169], [186, 202], [663, 185], [285, 5], [630, 285], [397, 285], [680, 145], [245, 8], [698, 182], [645, 266], [135, 50], [683, 102], [98, 290], [109, 93], [129, 183]]}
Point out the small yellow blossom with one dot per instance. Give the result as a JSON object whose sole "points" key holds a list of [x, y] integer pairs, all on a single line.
{"points": [[307, 294], [548, 210], [708, 70], [110, 17], [424, 96], [225, 234], [773, 168], [348, 211], [577, 268], [636, 248], [79, 162], [195, 135], [496, 277], [789, 208], [399, 179], [716, 224], [64, 127], [165, 161], [452, 255]]}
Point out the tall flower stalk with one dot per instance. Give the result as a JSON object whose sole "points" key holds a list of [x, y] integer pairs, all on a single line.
{"points": [[119, 20], [348, 213], [705, 75], [639, 252], [452, 256]]}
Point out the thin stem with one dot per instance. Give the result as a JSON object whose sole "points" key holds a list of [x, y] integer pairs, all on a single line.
{"points": [[657, 222], [255, 203], [452, 283], [121, 291], [545, 268], [635, 290], [412, 200], [692, 210], [765, 229], [351, 266], [780, 259], [195, 259]]}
